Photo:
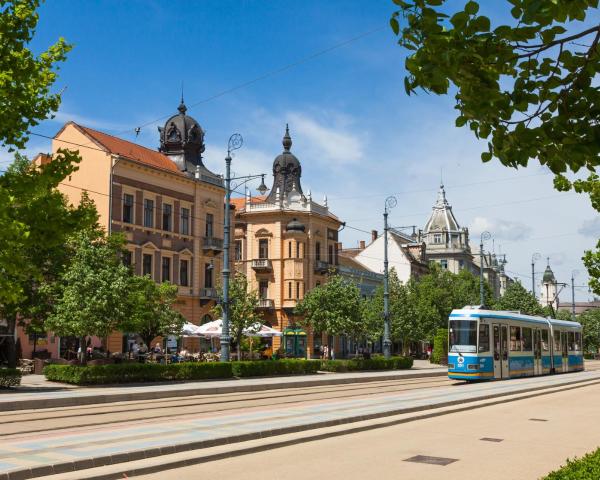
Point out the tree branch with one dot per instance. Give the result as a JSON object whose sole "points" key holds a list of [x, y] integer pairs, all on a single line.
{"points": [[545, 46]]}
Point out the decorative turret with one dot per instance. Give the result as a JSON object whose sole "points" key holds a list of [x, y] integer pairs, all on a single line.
{"points": [[182, 140], [286, 171]]}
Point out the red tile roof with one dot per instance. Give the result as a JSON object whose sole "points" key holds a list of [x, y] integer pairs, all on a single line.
{"points": [[240, 202], [130, 150]]}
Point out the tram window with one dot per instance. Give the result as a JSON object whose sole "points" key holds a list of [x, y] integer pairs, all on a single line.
{"points": [[577, 341], [515, 339], [556, 341], [484, 338], [463, 336], [545, 340], [527, 339], [571, 338]]}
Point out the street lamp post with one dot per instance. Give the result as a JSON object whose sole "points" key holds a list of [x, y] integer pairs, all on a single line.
{"points": [[536, 256], [235, 142], [484, 236], [390, 203], [573, 274]]}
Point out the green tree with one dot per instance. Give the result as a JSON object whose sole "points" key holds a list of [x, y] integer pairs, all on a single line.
{"points": [[528, 87], [25, 79], [437, 293], [37, 221], [152, 309], [590, 320], [334, 308], [243, 309], [518, 298], [91, 297]]}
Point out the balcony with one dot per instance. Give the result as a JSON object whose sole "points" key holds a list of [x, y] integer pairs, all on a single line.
{"points": [[262, 265], [323, 267], [265, 304], [212, 243], [209, 293]]}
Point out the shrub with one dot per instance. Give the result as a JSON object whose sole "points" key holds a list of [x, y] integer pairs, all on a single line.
{"points": [[274, 367], [584, 468], [10, 377], [377, 363], [439, 354], [136, 372]]}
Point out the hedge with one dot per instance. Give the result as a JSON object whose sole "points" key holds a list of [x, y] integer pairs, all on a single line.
{"points": [[379, 363], [439, 354], [10, 377], [584, 468], [136, 372], [274, 367]]}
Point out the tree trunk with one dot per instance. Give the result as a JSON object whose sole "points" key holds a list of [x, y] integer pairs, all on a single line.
{"points": [[82, 350], [34, 346], [11, 347], [106, 345], [239, 351]]}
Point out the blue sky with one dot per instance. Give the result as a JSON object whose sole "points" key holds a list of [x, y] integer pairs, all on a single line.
{"points": [[357, 134]]}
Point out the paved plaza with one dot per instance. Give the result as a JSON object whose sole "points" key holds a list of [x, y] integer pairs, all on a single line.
{"points": [[80, 447]]}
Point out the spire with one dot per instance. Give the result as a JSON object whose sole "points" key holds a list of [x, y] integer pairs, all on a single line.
{"points": [[182, 108], [287, 140], [441, 199]]}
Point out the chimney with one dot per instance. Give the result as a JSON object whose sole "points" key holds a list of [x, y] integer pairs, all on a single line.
{"points": [[362, 245], [374, 235]]}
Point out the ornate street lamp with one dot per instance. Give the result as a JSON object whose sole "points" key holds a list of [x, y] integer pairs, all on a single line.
{"points": [[390, 202], [235, 142], [484, 236]]}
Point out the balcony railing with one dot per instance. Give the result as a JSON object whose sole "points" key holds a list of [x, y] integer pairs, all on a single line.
{"points": [[209, 293], [322, 267], [212, 243], [266, 304], [262, 265]]}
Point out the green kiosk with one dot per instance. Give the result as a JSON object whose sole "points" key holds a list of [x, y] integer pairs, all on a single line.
{"points": [[294, 341]]}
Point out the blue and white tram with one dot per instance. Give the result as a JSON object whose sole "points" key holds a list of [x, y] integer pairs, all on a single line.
{"points": [[488, 345]]}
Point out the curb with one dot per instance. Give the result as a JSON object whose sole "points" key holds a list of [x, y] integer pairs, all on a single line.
{"points": [[46, 470], [204, 389]]}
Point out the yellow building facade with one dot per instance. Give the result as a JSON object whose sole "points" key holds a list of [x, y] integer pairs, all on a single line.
{"points": [[167, 203], [286, 244]]}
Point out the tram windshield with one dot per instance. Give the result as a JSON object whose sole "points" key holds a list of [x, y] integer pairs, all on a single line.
{"points": [[463, 335]]}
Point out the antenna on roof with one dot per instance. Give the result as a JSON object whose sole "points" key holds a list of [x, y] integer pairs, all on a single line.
{"points": [[137, 131], [182, 91]]}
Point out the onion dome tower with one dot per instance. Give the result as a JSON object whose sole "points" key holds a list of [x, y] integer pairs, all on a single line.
{"points": [[286, 171], [182, 140]]}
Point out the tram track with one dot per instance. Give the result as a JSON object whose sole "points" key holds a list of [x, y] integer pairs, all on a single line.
{"points": [[23, 423]]}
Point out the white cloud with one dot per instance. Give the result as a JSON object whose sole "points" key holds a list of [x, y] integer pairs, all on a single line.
{"points": [[590, 228], [329, 139], [500, 229]]}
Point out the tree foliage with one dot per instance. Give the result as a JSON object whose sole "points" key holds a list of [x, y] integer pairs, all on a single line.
{"points": [[152, 312], [91, 297], [334, 308], [243, 305], [26, 79], [529, 86], [35, 222], [518, 298], [590, 320]]}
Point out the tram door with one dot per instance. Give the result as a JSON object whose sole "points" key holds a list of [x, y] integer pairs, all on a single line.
{"points": [[565, 352], [500, 351], [537, 351]]}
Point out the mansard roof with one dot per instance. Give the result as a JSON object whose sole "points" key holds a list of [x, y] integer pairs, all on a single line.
{"points": [[441, 217]]}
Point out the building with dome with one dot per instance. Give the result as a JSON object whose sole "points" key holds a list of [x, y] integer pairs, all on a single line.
{"points": [[286, 243], [166, 202], [549, 289], [446, 242]]}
